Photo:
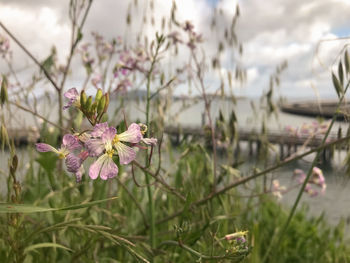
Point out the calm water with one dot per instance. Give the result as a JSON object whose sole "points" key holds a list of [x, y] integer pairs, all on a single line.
{"points": [[334, 202]]}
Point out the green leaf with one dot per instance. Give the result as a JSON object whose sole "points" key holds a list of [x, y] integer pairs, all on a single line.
{"points": [[22, 208], [43, 245], [341, 73], [338, 87], [47, 161], [347, 62]]}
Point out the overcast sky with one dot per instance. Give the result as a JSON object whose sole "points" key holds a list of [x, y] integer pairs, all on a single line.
{"points": [[270, 30]]}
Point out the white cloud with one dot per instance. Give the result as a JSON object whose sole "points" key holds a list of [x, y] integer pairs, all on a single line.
{"points": [[271, 31]]}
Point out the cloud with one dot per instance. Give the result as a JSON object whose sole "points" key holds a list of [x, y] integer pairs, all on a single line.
{"points": [[271, 31]]}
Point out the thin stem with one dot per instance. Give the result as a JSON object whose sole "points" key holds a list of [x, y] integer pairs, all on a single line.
{"points": [[134, 200], [30, 55], [74, 43], [149, 188], [207, 109], [161, 181], [34, 113]]}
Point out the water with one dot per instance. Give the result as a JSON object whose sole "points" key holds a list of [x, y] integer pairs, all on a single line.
{"points": [[333, 202]]}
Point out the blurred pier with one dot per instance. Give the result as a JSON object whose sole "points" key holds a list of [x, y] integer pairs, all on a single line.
{"points": [[288, 143]]}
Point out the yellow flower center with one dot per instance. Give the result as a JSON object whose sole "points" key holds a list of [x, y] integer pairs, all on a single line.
{"points": [[110, 153], [61, 155], [143, 128], [115, 139]]}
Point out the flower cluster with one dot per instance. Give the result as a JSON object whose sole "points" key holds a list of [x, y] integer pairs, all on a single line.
{"points": [[316, 180], [278, 190], [103, 143], [87, 60], [238, 241], [308, 129], [104, 48], [193, 38]]}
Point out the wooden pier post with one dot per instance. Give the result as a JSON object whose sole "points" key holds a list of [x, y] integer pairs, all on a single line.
{"points": [[281, 151], [250, 143]]}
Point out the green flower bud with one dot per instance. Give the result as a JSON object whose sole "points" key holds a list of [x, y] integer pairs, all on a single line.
{"points": [[99, 95], [88, 104], [83, 99], [107, 102], [4, 137], [101, 105]]}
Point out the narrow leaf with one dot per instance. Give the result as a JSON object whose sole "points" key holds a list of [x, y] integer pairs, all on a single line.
{"points": [[341, 73], [338, 87], [22, 208], [347, 62], [44, 245]]}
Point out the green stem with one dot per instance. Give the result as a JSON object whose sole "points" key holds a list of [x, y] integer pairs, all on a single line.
{"points": [[149, 188], [292, 212]]}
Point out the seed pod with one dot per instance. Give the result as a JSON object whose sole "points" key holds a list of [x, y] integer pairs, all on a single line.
{"points": [[101, 105], [4, 136], [3, 92], [99, 95], [107, 102], [83, 99], [88, 104]]}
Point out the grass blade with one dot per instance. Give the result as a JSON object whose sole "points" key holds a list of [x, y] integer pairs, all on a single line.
{"points": [[23, 208]]}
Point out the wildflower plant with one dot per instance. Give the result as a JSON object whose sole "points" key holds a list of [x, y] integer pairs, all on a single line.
{"points": [[102, 142]]}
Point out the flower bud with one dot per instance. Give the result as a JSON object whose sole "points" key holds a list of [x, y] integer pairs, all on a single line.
{"points": [[88, 104], [4, 138], [99, 95], [83, 99], [107, 103], [13, 166], [3, 92], [101, 105]]}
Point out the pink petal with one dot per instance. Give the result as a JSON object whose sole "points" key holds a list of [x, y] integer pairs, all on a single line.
{"points": [[43, 147], [149, 141], [70, 142], [109, 169], [71, 94], [79, 174], [99, 129], [133, 134], [95, 168], [126, 153], [95, 147], [108, 135], [73, 163]]}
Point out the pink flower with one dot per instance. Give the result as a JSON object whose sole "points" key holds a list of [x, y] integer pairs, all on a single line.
{"points": [[149, 141], [104, 166], [105, 143], [73, 98], [69, 144], [317, 179], [132, 135]]}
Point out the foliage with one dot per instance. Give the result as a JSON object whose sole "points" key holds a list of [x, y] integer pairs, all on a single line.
{"points": [[173, 197]]}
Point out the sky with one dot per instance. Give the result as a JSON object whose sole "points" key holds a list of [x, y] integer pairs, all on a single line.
{"points": [[305, 33]]}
